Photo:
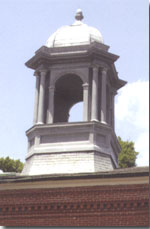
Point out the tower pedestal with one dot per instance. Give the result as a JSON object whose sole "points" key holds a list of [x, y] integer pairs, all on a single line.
{"points": [[71, 148]]}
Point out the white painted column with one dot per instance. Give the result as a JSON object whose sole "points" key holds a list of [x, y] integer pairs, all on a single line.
{"points": [[85, 102], [94, 111], [113, 108], [50, 112], [41, 97], [36, 102], [103, 95]]}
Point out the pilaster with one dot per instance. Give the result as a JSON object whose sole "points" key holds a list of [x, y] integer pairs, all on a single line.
{"points": [[36, 103]]}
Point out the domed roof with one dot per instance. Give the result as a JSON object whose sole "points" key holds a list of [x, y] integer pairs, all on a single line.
{"points": [[76, 34]]}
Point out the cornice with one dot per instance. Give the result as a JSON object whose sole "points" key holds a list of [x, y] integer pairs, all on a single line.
{"points": [[59, 55]]}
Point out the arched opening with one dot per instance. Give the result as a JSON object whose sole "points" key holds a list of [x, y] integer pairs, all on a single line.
{"points": [[76, 113], [68, 91]]}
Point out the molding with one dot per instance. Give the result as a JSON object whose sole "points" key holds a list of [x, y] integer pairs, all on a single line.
{"points": [[77, 208], [72, 182]]}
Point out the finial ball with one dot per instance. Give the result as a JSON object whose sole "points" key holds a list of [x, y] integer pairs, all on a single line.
{"points": [[79, 15]]}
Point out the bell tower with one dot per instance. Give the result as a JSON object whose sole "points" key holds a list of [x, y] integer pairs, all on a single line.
{"points": [[74, 65]]}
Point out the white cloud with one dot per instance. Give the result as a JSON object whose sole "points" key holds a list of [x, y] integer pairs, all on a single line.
{"points": [[132, 117], [142, 146]]}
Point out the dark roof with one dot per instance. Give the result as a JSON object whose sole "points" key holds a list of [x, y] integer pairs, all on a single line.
{"points": [[125, 172]]}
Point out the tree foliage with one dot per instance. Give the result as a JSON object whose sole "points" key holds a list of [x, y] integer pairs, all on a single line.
{"points": [[9, 165], [128, 155]]}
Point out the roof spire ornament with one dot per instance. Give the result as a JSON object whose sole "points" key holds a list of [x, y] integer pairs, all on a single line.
{"points": [[79, 15]]}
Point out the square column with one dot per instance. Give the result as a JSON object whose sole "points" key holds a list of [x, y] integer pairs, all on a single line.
{"points": [[85, 102], [41, 97], [112, 106], [36, 103], [94, 111]]}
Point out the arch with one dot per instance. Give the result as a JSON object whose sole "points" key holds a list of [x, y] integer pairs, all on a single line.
{"points": [[68, 91], [59, 73]]}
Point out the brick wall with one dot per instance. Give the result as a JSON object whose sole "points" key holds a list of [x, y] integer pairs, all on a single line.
{"points": [[120, 205]]}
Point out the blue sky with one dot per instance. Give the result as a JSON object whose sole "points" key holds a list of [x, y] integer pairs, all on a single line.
{"points": [[25, 26]]}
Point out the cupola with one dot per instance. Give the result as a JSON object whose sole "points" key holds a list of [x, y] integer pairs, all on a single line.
{"points": [[74, 65]]}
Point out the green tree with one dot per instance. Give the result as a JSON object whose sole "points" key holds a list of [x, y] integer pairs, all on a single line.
{"points": [[9, 165], [128, 155]]}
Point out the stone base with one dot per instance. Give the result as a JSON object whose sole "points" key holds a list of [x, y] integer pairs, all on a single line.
{"points": [[71, 162], [71, 148]]}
